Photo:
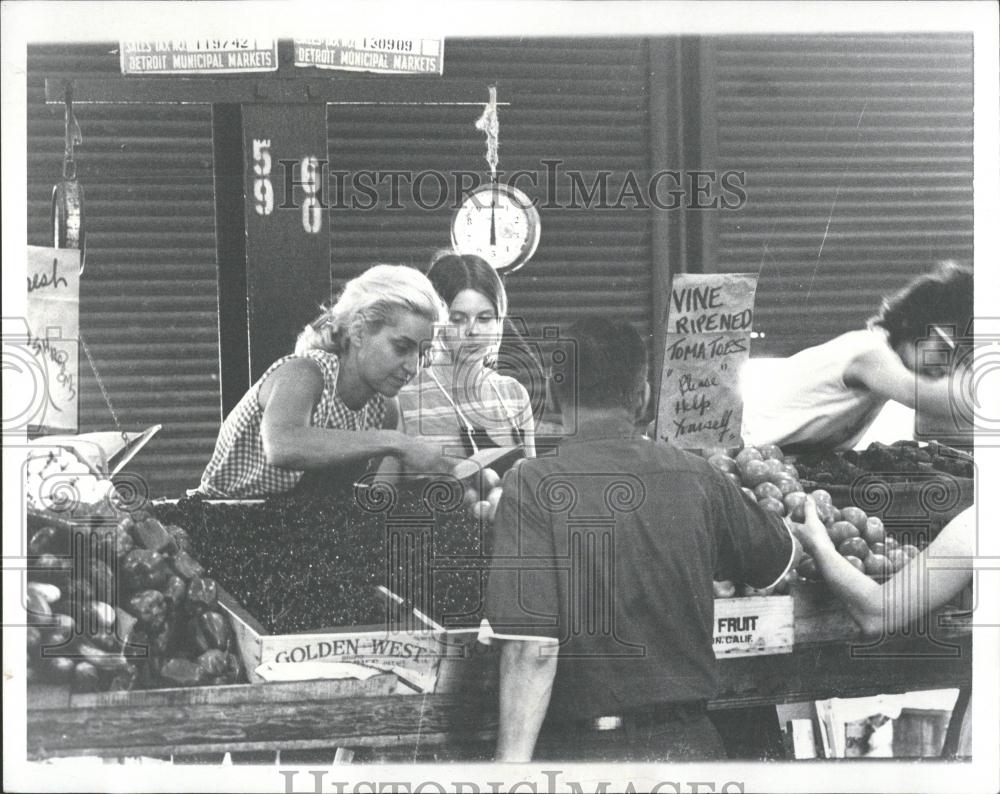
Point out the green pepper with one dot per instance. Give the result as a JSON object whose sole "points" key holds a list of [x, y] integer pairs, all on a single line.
{"points": [[48, 540], [180, 536], [95, 583], [234, 668], [186, 566], [175, 590], [181, 672], [115, 541], [50, 569], [212, 663], [125, 679], [150, 608], [203, 593], [208, 630], [85, 678], [143, 569], [151, 534]]}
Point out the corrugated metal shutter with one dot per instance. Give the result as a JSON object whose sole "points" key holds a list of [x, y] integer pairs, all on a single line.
{"points": [[858, 158], [582, 103], [148, 297]]}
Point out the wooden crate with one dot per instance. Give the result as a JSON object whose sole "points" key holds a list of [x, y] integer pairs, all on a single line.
{"points": [[753, 626], [418, 658]]}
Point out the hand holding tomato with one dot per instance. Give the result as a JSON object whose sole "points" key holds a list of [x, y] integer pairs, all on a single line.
{"points": [[812, 533]]}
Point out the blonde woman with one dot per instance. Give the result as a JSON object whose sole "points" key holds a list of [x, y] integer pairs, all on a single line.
{"points": [[332, 403]]}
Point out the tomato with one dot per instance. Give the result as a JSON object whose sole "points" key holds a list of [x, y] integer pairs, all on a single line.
{"points": [[754, 472], [855, 562], [839, 531], [898, 558], [794, 499], [819, 495], [855, 515], [787, 484], [773, 467], [768, 489], [732, 475], [790, 470], [877, 547], [774, 505], [747, 454], [837, 515], [807, 569], [877, 565], [771, 452], [874, 530], [825, 513], [854, 547], [890, 543], [723, 463]]}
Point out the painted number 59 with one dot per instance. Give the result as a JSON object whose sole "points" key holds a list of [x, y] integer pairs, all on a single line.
{"points": [[263, 190]]}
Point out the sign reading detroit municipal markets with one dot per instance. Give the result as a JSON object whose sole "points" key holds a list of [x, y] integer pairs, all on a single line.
{"points": [[199, 56], [383, 55]]}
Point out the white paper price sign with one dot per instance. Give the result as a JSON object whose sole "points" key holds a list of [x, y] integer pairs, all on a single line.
{"points": [[199, 56], [706, 344], [51, 336], [385, 55]]}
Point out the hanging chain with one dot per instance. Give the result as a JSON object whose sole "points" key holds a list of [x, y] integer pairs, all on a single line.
{"points": [[73, 136], [104, 391]]}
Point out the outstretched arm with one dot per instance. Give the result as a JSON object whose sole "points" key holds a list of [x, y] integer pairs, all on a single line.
{"points": [[913, 591], [288, 398], [883, 372]]}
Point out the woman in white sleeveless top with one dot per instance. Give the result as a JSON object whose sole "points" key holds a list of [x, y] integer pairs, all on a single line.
{"points": [[826, 397]]}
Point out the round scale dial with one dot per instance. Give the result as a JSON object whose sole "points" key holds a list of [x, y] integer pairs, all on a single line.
{"points": [[498, 223]]}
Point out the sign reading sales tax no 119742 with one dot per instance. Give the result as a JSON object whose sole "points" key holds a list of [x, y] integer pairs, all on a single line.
{"points": [[198, 56]]}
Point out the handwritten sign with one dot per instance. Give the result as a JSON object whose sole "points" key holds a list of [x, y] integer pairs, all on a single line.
{"points": [[707, 341], [384, 55], [198, 56], [53, 276]]}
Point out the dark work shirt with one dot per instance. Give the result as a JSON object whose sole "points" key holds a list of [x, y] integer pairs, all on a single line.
{"points": [[610, 547]]}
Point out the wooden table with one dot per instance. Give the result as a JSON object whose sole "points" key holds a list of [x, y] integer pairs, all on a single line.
{"points": [[829, 660]]}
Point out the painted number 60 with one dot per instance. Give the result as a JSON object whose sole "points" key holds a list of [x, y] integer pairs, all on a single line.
{"points": [[312, 216], [263, 190]]}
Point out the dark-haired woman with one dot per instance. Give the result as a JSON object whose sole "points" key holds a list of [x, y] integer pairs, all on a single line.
{"points": [[459, 400], [826, 397]]}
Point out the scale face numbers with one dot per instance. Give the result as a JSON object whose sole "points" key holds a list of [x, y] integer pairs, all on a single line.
{"points": [[498, 223]]}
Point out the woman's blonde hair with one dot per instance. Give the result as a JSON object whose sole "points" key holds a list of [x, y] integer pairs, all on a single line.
{"points": [[374, 298]]}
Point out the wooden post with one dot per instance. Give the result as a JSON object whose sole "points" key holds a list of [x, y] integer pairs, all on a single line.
{"points": [[287, 225]]}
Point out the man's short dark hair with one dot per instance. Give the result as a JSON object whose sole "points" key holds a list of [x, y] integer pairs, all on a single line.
{"points": [[609, 364]]}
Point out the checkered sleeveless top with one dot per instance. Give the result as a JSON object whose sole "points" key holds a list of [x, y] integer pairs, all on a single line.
{"points": [[239, 469]]}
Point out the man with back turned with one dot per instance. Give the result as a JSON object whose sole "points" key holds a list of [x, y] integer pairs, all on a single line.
{"points": [[600, 582]]}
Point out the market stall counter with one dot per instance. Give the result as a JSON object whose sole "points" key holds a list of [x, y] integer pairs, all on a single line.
{"points": [[385, 584]]}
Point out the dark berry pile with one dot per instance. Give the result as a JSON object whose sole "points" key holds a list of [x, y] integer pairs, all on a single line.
{"points": [[843, 467], [311, 561]]}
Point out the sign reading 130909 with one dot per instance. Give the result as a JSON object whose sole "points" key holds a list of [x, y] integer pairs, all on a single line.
{"points": [[198, 56]]}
